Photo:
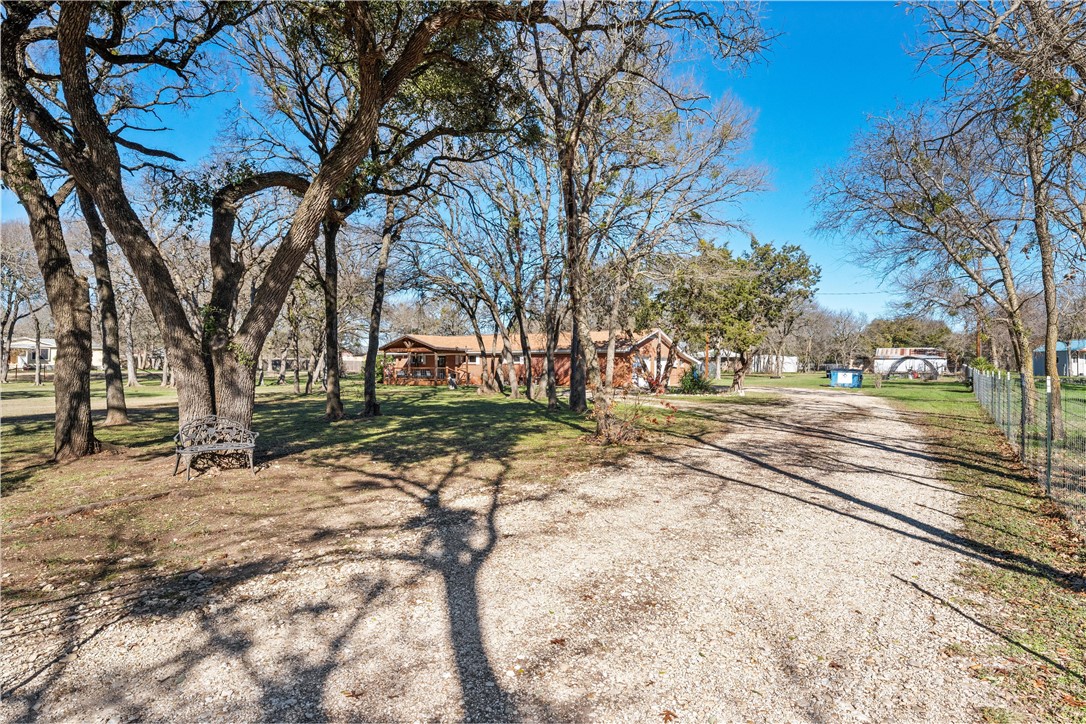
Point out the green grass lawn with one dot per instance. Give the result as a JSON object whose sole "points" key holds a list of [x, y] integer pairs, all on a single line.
{"points": [[25, 389], [417, 424]]}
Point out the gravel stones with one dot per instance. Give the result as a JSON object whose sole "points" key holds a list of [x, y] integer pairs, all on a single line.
{"points": [[791, 569]]}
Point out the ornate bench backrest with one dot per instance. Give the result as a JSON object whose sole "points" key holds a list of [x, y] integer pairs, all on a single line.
{"points": [[212, 430]]}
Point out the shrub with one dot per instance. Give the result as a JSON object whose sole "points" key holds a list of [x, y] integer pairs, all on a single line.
{"points": [[692, 383]]}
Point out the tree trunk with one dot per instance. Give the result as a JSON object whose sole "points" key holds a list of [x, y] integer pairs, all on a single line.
{"points": [[669, 363], [116, 408], [612, 322], [260, 371], [552, 375], [371, 408], [510, 366], [487, 382], [584, 366], [1046, 245], [282, 378], [333, 405], [578, 390], [313, 363], [165, 370], [297, 366], [525, 349], [37, 351], [235, 387], [740, 371], [130, 352], [506, 351], [68, 295], [609, 377], [9, 333]]}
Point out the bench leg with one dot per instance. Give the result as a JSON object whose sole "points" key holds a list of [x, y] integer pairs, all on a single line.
{"points": [[176, 464]]}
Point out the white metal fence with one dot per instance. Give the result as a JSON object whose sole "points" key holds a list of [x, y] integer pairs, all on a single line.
{"points": [[1053, 446]]}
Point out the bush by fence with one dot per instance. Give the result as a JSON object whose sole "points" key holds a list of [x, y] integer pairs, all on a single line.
{"points": [[1050, 440]]}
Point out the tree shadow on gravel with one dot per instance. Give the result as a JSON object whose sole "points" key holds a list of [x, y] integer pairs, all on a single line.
{"points": [[943, 453], [1008, 639], [804, 452], [442, 497]]}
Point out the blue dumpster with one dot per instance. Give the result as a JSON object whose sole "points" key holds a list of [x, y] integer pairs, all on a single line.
{"points": [[846, 378]]}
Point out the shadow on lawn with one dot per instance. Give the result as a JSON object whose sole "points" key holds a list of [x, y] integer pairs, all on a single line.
{"points": [[447, 510]]}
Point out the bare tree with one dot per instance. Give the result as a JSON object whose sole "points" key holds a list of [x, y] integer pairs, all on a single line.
{"points": [[936, 215], [67, 292], [384, 49], [21, 293], [578, 71], [1019, 69]]}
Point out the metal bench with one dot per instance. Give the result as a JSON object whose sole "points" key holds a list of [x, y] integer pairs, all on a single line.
{"points": [[212, 434]]}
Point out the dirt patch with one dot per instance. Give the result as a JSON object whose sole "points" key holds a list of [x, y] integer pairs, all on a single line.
{"points": [[800, 567]]}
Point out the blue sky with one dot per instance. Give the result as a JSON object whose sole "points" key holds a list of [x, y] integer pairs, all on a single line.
{"points": [[832, 65]]}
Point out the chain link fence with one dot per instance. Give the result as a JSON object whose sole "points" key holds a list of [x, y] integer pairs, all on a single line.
{"points": [[1053, 446]]}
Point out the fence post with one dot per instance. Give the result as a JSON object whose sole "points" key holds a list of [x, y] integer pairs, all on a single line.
{"points": [[1005, 382], [1022, 414], [1009, 393], [1048, 436]]}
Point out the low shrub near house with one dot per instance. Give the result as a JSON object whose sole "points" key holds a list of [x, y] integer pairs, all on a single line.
{"points": [[692, 383]]}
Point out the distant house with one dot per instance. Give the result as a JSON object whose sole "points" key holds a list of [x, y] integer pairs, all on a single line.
{"points": [[424, 359], [23, 353], [350, 362], [909, 359], [1070, 359]]}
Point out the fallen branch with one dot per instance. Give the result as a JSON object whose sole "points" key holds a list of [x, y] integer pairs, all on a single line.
{"points": [[75, 510]]}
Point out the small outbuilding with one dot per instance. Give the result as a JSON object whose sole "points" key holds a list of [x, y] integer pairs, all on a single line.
{"points": [[922, 360], [1070, 359]]}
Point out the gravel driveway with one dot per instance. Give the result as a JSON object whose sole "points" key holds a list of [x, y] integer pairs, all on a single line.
{"points": [[797, 568]]}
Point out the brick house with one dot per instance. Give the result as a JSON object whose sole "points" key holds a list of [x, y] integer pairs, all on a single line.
{"points": [[425, 359]]}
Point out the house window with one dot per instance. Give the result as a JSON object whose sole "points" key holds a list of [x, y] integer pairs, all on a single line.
{"points": [[441, 360], [418, 360], [518, 359], [473, 359]]}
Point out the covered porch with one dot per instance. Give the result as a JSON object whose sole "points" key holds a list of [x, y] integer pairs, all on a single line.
{"points": [[419, 364]]}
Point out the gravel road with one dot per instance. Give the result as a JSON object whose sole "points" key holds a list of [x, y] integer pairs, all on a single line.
{"points": [[797, 568]]}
